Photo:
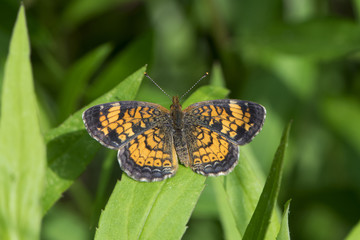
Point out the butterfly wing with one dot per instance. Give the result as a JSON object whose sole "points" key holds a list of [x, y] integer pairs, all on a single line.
{"points": [[216, 128], [141, 132], [115, 124], [236, 120], [150, 156], [210, 153]]}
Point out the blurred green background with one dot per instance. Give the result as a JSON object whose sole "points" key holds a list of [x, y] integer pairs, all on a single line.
{"points": [[298, 58]]}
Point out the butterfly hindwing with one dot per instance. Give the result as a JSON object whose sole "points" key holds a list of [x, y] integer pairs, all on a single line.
{"points": [[150, 156], [210, 153]]}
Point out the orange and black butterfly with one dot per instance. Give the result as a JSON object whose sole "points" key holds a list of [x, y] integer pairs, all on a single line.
{"points": [[150, 138]]}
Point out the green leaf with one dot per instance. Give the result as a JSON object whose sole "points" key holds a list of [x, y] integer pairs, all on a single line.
{"points": [[151, 210], [22, 148], [260, 220], [69, 146], [77, 77], [157, 210], [284, 233], [355, 233]]}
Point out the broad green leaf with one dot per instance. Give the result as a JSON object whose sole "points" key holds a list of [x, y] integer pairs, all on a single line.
{"points": [[76, 78], [151, 210], [22, 148], [259, 223], [157, 210], [354, 233], [70, 148], [284, 233]]}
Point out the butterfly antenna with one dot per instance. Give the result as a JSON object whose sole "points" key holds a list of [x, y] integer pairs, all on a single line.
{"points": [[146, 75], [205, 75]]}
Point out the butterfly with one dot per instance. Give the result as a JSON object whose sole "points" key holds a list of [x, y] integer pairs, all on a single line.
{"points": [[150, 138]]}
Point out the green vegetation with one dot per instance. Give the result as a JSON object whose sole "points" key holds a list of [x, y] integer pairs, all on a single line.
{"points": [[297, 58]]}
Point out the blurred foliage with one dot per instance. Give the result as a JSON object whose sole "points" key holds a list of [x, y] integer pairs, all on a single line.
{"points": [[298, 58]]}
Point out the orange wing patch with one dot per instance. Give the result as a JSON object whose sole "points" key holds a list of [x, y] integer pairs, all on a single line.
{"points": [[241, 118]]}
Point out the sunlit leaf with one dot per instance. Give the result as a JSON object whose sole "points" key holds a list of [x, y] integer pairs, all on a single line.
{"points": [[22, 148]]}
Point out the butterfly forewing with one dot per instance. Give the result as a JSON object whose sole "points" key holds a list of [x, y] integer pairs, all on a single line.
{"points": [[115, 124], [236, 120]]}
